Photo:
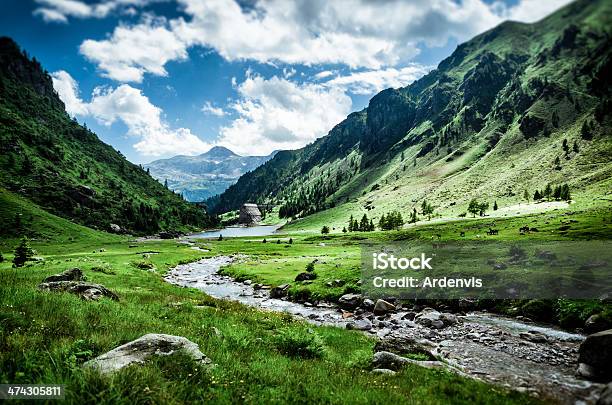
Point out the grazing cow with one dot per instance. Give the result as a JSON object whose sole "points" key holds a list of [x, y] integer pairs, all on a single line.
{"points": [[462, 234], [492, 231]]}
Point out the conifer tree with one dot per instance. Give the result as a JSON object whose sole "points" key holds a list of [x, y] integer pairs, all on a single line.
{"points": [[495, 206], [23, 253]]}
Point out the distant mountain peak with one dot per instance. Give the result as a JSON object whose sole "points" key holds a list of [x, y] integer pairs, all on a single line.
{"points": [[219, 152]]}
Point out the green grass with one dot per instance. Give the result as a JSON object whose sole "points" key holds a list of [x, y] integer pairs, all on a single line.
{"points": [[259, 356]]}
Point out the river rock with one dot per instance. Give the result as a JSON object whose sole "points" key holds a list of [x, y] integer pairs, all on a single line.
{"points": [[367, 304], [382, 307], [427, 318], [448, 319], [533, 336], [142, 349], [359, 324], [305, 276], [74, 274], [350, 301], [596, 352], [606, 396], [596, 323], [280, 291], [87, 291]]}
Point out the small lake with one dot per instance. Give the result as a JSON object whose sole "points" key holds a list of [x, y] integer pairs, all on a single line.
{"points": [[237, 231]]}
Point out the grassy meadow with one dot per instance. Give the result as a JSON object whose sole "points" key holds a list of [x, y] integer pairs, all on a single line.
{"points": [[258, 356]]}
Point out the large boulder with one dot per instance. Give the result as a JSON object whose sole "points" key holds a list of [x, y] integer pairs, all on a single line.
{"points": [[431, 318], [74, 274], [391, 361], [402, 345], [595, 356], [305, 276], [382, 307], [350, 301], [280, 291], [87, 291], [388, 360], [427, 317], [142, 349]]}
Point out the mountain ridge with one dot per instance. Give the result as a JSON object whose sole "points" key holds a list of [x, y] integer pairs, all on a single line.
{"points": [[205, 175], [64, 168], [505, 99]]}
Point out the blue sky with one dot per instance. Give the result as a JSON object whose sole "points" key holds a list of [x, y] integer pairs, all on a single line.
{"points": [[157, 78]]}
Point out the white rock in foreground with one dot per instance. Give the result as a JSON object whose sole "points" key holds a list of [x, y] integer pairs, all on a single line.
{"points": [[140, 350]]}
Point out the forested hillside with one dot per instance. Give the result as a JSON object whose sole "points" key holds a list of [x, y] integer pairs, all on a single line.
{"points": [[63, 167], [510, 111]]}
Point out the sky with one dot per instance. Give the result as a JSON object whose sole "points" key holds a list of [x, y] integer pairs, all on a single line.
{"points": [[159, 78]]}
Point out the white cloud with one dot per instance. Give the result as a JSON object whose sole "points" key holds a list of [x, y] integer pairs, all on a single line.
{"points": [[372, 81], [50, 15], [128, 105], [529, 10], [132, 51], [208, 108], [68, 90], [323, 74], [60, 10], [278, 114], [355, 33]]}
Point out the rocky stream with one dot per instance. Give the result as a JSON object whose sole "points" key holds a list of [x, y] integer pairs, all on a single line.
{"points": [[517, 354]]}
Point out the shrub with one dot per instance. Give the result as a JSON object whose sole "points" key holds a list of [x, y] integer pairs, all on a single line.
{"points": [[299, 343], [539, 310], [143, 265], [310, 267], [325, 230]]}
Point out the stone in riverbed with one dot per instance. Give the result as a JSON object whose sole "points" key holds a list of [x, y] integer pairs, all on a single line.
{"points": [[383, 307], [350, 301], [367, 304], [360, 324], [606, 396], [280, 291], [596, 353], [142, 349]]}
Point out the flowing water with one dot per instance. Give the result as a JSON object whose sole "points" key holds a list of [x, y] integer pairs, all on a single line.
{"points": [[237, 231], [485, 346]]}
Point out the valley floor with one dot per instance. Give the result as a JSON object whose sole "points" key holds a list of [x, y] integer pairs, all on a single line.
{"points": [[45, 337]]}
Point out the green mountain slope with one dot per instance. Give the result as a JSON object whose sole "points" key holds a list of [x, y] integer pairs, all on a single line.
{"points": [[65, 169], [513, 109]]}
